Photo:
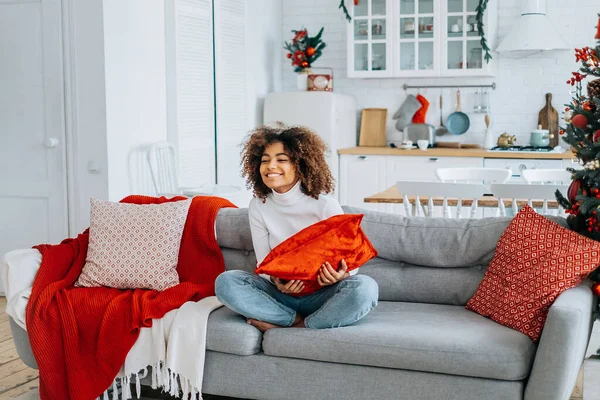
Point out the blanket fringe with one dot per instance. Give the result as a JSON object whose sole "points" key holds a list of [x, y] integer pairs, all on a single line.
{"points": [[162, 377]]}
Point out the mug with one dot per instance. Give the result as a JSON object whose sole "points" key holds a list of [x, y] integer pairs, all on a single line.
{"points": [[454, 28], [423, 144]]}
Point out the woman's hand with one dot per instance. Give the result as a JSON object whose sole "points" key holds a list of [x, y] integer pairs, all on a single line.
{"points": [[328, 276], [293, 286]]}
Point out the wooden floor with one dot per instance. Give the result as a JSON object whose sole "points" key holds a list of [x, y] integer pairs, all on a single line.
{"points": [[17, 379]]}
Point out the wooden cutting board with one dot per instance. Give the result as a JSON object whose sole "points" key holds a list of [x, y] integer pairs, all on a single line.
{"points": [[373, 126], [548, 119], [455, 145]]}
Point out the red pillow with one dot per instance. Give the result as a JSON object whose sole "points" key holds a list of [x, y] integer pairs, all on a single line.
{"points": [[535, 261], [301, 256]]}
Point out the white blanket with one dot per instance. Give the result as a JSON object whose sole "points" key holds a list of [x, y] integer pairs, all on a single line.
{"points": [[174, 346]]}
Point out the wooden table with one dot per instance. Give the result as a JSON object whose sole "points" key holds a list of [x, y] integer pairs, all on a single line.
{"points": [[392, 195]]}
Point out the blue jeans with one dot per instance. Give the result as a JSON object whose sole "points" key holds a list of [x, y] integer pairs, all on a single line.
{"points": [[340, 304]]}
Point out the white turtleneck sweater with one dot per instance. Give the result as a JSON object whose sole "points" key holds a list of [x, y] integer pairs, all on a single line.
{"points": [[284, 215]]}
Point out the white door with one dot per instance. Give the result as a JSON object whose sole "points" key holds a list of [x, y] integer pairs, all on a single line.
{"points": [[33, 200]]}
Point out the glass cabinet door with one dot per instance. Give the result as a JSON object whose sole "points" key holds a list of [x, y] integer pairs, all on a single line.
{"points": [[464, 54], [370, 38], [416, 50]]}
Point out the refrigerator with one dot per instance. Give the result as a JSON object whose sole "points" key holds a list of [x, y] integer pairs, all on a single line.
{"points": [[331, 115]]}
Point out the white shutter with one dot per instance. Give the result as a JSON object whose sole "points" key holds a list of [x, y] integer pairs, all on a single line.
{"points": [[231, 61], [190, 88]]}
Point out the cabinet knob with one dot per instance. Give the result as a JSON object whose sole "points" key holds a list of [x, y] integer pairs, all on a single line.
{"points": [[522, 167], [433, 159], [362, 157]]}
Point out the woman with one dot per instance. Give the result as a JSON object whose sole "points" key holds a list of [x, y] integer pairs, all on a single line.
{"points": [[287, 172]]}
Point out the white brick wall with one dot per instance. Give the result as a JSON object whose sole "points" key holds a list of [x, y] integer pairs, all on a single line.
{"points": [[521, 83]]}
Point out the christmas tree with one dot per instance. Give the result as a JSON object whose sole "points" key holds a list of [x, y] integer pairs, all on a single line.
{"points": [[582, 133]]}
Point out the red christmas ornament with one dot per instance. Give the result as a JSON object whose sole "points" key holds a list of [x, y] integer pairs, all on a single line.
{"points": [[304, 64], [573, 190], [355, 2], [579, 121], [598, 32], [596, 288], [596, 136], [289, 55], [310, 51]]}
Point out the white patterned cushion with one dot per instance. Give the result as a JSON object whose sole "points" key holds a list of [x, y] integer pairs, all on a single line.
{"points": [[134, 246]]}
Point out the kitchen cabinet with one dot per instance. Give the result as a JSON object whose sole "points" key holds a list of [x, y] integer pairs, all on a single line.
{"points": [[361, 176], [420, 168], [419, 38]]}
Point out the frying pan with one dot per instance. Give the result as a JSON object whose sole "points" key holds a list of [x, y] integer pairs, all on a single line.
{"points": [[458, 122]]}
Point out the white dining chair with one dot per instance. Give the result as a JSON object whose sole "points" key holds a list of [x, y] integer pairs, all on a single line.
{"points": [[473, 175], [162, 160], [436, 189], [519, 192], [546, 176], [138, 171]]}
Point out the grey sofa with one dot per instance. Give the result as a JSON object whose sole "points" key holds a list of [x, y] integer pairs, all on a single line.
{"points": [[418, 343]]}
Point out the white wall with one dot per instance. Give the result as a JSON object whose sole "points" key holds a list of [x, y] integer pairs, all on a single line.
{"points": [[264, 55], [521, 83], [136, 105]]}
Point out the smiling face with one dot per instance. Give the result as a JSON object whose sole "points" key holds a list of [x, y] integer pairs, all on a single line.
{"points": [[276, 168]]}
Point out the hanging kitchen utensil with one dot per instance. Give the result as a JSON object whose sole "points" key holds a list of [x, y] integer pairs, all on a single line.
{"points": [[441, 130], [548, 119], [458, 122]]}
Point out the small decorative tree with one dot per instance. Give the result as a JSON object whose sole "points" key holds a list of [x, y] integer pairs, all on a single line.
{"points": [[582, 133], [304, 50]]}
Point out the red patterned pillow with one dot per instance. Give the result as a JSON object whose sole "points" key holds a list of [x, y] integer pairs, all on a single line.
{"points": [[535, 261], [134, 246], [301, 256]]}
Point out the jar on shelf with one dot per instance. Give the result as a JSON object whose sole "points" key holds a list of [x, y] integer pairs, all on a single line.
{"points": [[377, 28], [475, 61], [377, 62], [363, 28]]}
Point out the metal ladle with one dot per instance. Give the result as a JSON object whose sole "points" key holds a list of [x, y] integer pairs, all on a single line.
{"points": [[441, 130]]}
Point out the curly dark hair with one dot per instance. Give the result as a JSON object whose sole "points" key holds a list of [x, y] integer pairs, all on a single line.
{"points": [[307, 154]]}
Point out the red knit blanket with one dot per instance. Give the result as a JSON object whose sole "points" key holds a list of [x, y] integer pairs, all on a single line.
{"points": [[81, 336]]}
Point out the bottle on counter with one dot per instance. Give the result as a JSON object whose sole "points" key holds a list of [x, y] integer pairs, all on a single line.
{"points": [[488, 140]]}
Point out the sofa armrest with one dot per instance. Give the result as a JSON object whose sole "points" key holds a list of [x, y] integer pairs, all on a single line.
{"points": [[562, 345]]}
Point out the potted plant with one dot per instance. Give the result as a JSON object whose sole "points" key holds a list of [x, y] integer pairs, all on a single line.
{"points": [[302, 52]]}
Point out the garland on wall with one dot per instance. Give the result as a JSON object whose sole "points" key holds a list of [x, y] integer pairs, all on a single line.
{"points": [[481, 7], [479, 18]]}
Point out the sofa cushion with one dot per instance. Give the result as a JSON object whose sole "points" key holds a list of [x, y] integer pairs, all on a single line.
{"points": [[134, 246], [414, 336], [228, 332], [434, 242], [430, 260], [535, 261]]}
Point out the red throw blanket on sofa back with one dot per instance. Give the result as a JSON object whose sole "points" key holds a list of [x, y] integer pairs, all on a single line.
{"points": [[81, 336]]}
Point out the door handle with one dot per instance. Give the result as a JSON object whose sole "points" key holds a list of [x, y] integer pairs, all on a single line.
{"points": [[362, 157], [433, 159], [50, 143]]}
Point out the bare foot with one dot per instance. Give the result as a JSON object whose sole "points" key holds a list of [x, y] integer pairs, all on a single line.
{"points": [[262, 325], [298, 322], [265, 326]]}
